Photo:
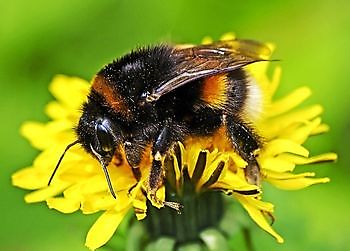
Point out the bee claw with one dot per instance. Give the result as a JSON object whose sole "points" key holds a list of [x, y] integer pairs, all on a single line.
{"points": [[252, 173], [131, 189], [171, 204]]}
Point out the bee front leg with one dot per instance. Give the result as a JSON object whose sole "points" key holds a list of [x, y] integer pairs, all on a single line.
{"points": [[164, 141], [246, 143], [160, 148], [133, 154]]}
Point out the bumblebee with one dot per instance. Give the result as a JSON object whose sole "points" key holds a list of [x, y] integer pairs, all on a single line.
{"points": [[159, 95]]}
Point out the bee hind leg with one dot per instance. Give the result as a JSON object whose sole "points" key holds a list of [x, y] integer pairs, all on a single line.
{"points": [[246, 143]]}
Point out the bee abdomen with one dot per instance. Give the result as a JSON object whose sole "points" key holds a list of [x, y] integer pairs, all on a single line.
{"points": [[245, 96]]}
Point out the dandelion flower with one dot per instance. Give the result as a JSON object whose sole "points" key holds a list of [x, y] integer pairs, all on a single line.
{"points": [[200, 172]]}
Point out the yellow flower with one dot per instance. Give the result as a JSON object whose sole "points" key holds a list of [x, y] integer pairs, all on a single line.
{"points": [[210, 164]]}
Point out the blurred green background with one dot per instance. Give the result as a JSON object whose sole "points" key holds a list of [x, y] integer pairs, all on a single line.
{"points": [[39, 39]]}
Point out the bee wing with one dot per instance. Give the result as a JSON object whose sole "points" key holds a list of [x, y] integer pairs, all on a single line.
{"points": [[207, 60]]}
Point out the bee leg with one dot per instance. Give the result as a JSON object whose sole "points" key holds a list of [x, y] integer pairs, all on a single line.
{"points": [[137, 175], [133, 154], [246, 143], [118, 161], [136, 172], [160, 148]]}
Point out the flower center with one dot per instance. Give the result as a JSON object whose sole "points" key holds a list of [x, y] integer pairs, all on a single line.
{"points": [[200, 211]]}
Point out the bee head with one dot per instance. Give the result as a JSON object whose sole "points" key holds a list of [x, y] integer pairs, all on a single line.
{"points": [[98, 134]]}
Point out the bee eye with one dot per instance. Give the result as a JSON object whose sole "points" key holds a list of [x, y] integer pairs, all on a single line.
{"points": [[104, 137]]}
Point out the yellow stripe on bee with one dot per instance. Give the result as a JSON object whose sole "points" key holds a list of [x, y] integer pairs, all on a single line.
{"points": [[214, 91]]}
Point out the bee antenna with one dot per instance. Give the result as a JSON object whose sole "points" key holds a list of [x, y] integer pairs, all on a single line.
{"points": [[60, 160], [110, 186], [105, 170]]}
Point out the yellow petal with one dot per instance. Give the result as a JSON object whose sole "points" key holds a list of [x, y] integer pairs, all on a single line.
{"points": [[213, 162], [48, 158], [276, 164], [177, 167], [30, 178], [95, 184], [57, 111], [289, 102], [237, 160], [258, 70], [63, 205], [295, 184], [228, 36], [259, 204], [104, 228], [102, 201], [300, 133], [45, 193], [43, 136], [231, 181], [299, 160], [32, 130], [320, 129], [257, 215], [75, 173], [274, 126], [279, 146], [207, 40], [276, 79], [197, 164], [70, 91], [140, 207], [191, 159], [287, 175]]}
